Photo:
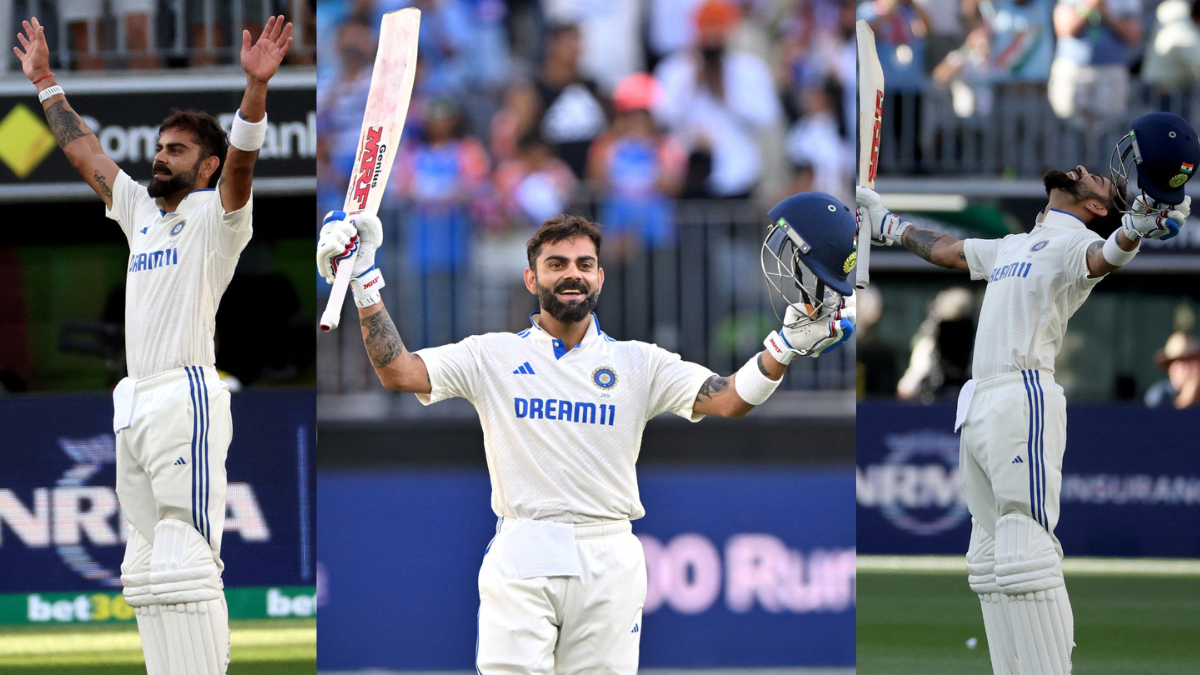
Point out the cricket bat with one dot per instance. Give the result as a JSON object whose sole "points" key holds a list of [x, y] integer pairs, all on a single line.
{"points": [[870, 123], [383, 122]]}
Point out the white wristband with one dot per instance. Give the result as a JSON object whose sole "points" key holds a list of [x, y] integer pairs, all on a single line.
{"points": [[754, 387], [1114, 254], [50, 91], [366, 288], [246, 136]]}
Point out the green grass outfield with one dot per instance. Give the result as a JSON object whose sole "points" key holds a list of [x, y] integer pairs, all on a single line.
{"points": [[259, 647], [915, 616]]}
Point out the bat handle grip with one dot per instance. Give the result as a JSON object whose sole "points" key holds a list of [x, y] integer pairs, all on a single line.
{"points": [[341, 281]]}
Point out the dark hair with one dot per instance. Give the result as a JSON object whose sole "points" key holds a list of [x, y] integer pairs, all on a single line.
{"points": [[209, 134], [559, 228]]}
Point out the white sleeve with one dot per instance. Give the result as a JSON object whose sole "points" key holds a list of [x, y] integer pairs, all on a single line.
{"points": [[126, 197], [981, 256], [1075, 257], [674, 383], [236, 226], [453, 370]]}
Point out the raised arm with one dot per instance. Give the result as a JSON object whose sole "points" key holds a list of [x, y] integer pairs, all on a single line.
{"points": [[738, 394], [940, 249], [398, 369], [77, 141], [888, 228], [260, 62]]}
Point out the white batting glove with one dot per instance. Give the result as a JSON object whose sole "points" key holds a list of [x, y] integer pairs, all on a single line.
{"points": [[1156, 223], [339, 239], [886, 227], [812, 339]]}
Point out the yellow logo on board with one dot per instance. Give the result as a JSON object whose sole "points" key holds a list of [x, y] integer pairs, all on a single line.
{"points": [[24, 141]]}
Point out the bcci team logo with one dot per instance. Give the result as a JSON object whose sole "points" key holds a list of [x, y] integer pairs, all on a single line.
{"points": [[1039, 246], [1185, 172], [604, 377], [852, 260], [178, 227], [915, 487]]}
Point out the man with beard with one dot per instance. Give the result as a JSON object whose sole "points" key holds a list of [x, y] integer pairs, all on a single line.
{"points": [[171, 420], [1012, 414], [563, 407]]}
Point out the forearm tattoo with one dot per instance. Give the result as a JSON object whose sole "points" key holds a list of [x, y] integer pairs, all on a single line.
{"points": [[921, 242], [102, 185], [712, 387], [65, 124], [762, 366], [381, 338]]}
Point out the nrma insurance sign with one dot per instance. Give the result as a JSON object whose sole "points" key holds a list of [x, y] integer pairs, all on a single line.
{"points": [[914, 485], [78, 517]]}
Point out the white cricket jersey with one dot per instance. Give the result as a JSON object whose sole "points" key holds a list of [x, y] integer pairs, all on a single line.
{"points": [[1036, 281], [562, 428], [179, 266]]}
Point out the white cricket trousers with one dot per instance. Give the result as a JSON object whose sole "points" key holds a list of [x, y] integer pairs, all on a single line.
{"points": [[565, 625], [1011, 449], [171, 458]]}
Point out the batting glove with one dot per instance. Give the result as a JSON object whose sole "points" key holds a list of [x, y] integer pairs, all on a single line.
{"points": [[1156, 223], [886, 227], [341, 238], [811, 339]]}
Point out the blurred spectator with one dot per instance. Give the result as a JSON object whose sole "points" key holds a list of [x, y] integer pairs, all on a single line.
{"points": [[516, 118], [610, 32], [534, 185], [211, 22], [946, 28], [439, 176], [1173, 54], [672, 26], [820, 139], [1022, 40], [1180, 357], [638, 169], [900, 28], [941, 356], [573, 107], [85, 26], [876, 361], [966, 72], [717, 102], [340, 108], [1097, 42]]}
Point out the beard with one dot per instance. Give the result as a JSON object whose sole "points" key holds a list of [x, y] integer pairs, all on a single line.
{"points": [[567, 312], [1060, 180], [177, 182]]}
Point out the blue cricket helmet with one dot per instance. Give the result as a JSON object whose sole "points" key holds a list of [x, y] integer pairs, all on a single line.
{"points": [[1164, 149], [814, 230]]}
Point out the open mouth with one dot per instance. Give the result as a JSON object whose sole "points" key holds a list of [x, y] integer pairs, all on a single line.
{"points": [[571, 294]]}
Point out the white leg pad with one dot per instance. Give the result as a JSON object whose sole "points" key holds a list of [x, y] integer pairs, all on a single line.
{"points": [[135, 577], [1034, 595], [186, 585], [981, 575]]}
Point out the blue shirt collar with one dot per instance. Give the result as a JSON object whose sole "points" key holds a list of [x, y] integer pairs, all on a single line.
{"points": [[1060, 218], [560, 349]]}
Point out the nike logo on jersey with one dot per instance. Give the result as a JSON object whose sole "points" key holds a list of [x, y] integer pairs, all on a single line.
{"points": [[153, 260], [1017, 269], [525, 369], [1018, 460], [566, 411]]}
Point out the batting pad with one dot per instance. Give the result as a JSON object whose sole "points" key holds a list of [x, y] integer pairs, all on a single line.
{"points": [[135, 576], [186, 584], [1034, 595], [981, 575]]}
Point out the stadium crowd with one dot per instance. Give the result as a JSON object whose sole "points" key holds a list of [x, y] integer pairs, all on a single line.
{"points": [[95, 35]]}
